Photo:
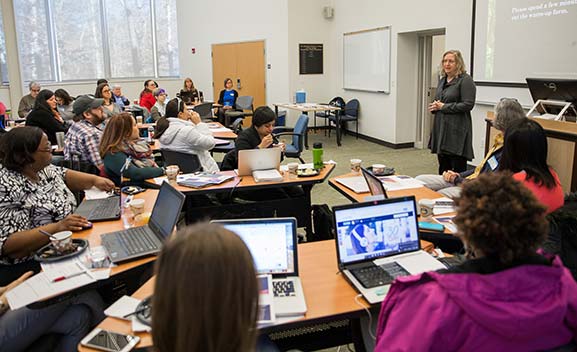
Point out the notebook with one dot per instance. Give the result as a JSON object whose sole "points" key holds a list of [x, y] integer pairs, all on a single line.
{"points": [[378, 241], [273, 245], [376, 187], [250, 160], [146, 240], [100, 209]]}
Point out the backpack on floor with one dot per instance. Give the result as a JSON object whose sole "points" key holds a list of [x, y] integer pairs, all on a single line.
{"points": [[323, 227]]}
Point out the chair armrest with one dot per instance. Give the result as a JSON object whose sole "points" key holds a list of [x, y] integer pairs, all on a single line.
{"points": [[287, 134], [280, 129]]}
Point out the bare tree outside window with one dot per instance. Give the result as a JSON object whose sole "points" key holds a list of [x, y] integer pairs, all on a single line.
{"points": [[3, 66]]}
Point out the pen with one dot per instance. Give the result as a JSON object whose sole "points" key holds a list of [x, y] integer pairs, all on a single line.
{"points": [[61, 278], [137, 311]]}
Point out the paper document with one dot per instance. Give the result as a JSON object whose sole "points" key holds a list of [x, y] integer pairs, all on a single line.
{"points": [[356, 184], [41, 286], [400, 182], [443, 205], [220, 129], [121, 308], [95, 193], [271, 175], [202, 179]]}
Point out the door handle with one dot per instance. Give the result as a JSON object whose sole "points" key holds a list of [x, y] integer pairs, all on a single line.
{"points": [[238, 86]]}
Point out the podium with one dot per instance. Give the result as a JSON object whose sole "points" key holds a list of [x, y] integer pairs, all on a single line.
{"points": [[545, 109]]}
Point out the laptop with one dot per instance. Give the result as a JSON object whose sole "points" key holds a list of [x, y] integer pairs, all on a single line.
{"points": [[378, 241], [376, 187], [250, 160], [100, 209], [273, 245], [146, 240]]}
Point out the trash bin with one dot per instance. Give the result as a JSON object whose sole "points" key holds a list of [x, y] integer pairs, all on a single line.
{"points": [[281, 118]]}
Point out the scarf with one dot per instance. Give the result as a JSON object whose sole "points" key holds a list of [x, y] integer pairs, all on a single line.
{"points": [[140, 152]]}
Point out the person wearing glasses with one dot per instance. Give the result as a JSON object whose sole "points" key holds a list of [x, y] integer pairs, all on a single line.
{"points": [[452, 131], [110, 107], [35, 195], [27, 102], [507, 112]]}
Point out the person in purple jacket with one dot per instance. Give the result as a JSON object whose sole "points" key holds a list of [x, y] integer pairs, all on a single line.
{"points": [[506, 297]]}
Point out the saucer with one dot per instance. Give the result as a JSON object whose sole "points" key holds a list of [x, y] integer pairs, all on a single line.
{"points": [[48, 254], [388, 171]]}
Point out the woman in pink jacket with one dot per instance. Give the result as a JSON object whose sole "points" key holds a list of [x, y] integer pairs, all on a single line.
{"points": [[506, 297]]}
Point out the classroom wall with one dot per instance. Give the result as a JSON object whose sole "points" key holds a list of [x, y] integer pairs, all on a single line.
{"points": [[203, 23]]}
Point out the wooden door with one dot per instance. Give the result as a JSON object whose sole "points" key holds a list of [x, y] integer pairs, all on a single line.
{"points": [[244, 63]]}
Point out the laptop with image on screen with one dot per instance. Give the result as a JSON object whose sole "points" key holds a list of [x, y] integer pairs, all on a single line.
{"points": [[376, 187], [378, 241], [273, 245], [250, 160], [137, 242]]}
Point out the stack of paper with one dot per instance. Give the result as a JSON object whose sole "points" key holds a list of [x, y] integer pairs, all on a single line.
{"points": [[443, 205], [271, 175], [201, 179], [400, 182], [356, 184]]}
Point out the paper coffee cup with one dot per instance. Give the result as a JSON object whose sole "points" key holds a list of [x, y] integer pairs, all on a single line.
{"points": [[137, 206], [356, 165], [61, 240]]}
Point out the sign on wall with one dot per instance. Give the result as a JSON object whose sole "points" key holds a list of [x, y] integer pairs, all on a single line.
{"points": [[310, 59]]}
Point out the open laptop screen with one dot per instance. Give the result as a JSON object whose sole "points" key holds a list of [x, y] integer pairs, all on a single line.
{"points": [[270, 241], [166, 210], [375, 185], [376, 229]]}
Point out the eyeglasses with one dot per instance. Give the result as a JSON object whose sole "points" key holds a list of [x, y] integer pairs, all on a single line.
{"points": [[35, 90]]}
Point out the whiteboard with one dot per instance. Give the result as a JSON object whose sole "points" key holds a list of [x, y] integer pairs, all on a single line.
{"points": [[367, 60]]}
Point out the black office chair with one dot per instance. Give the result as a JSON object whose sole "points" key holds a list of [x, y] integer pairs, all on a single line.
{"points": [[187, 163], [336, 101], [350, 113], [243, 108], [298, 134]]}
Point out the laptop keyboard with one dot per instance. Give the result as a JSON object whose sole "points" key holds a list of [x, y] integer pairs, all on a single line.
{"points": [[109, 207], [283, 288], [373, 276], [136, 240]]}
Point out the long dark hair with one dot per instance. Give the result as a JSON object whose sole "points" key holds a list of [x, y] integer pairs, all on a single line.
{"points": [[525, 148], [194, 311], [145, 90], [173, 108], [41, 100], [62, 94]]}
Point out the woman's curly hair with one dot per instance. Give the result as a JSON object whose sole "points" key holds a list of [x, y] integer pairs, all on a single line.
{"points": [[500, 217]]}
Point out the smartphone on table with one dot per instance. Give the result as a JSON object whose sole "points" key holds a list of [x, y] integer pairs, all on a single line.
{"points": [[109, 341]]}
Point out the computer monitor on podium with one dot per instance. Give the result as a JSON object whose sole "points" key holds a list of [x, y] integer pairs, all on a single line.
{"points": [[556, 89]]}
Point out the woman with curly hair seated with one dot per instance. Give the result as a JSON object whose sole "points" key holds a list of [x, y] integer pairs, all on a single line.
{"points": [[506, 297]]}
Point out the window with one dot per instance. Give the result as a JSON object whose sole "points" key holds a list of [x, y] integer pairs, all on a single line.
{"points": [[3, 66], [70, 40]]}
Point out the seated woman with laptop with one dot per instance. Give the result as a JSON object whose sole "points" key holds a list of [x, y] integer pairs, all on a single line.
{"points": [[505, 297], [35, 196], [124, 154], [183, 131]]}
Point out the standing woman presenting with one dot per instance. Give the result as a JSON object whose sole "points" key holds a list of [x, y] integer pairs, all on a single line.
{"points": [[452, 134]]}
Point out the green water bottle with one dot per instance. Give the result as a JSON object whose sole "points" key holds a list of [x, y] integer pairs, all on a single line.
{"points": [[318, 156]]}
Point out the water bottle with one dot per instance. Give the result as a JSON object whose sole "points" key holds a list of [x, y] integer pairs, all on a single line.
{"points": [[318, 156]]}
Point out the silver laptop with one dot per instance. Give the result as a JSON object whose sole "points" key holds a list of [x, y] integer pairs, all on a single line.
{"points": [[376, 187], [273, 245], [250, 160], [100, 209], [137, 242], [378, 241]]}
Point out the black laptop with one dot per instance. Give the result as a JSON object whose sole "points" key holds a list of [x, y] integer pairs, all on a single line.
{"points": [[376, 187], [100, 209], [146, 240]]}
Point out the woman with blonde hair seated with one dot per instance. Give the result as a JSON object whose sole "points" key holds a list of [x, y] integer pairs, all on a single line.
{"points": [[206, 293]]}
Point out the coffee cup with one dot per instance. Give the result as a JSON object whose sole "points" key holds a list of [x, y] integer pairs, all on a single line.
{"points": [[426, 208], [60, 139], [137, 206], [172, 172], [356, 165], [139, 120], [378, 169], [292, 169], [62, 241]]}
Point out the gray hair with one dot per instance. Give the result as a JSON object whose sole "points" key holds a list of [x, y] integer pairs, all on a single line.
{"points": [[507, 112], [33, 84], [116, 85]]}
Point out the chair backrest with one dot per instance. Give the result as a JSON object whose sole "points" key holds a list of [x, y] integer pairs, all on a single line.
{"points": [[204, 110], [352, 108], [236, 126], [187, 163], [300, 130], [338, 101], [244, 102]]}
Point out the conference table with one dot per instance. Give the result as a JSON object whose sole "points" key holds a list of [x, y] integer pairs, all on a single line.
{"points": [[313, 107], [329, 297], [299, 207]]}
